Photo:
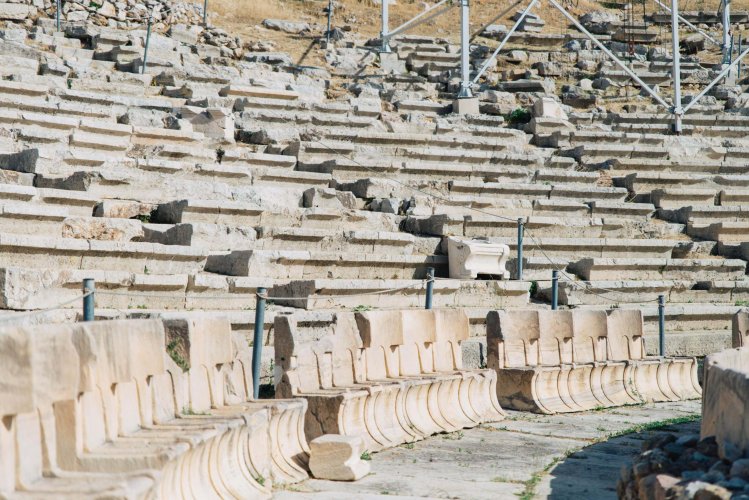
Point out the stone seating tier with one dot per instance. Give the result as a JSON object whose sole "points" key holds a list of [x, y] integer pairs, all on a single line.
{"points": [[566, 361], [387, 376], [121, 419]]}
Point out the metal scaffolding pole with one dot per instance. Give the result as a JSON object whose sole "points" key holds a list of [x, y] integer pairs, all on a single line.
{"points": [[611, 56], [425, 16], [676, 66], [384, 32], [726, 26], [465, 50], [717, 79], [493, 57]]}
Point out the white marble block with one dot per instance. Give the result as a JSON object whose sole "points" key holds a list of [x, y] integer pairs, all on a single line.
{"points": [[469, 258]]}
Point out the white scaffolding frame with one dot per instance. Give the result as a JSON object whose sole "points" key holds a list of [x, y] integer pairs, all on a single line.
{"points": [[675, 108]]}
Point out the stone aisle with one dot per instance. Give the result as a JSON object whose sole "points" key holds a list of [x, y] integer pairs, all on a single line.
{"points": [[526, 456]]}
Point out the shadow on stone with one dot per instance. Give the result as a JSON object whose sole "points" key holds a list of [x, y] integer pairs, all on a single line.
{"points": [[594, 471]]}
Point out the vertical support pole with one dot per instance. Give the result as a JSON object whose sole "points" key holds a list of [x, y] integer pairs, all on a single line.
{"points": [[330, 15], [385, 47], [57, 13], [662, 325], [205, 13], [554, 290], [738, 68], [465, 49], [148, 41], [430, 288], [726, 18], [521, 230], [88, 301], [257, 341], [676, 66]]}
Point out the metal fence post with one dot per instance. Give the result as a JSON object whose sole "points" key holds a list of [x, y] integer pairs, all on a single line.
{"points": [[521, 230], [430, 287], [88, 301], [554, 290], [465, 49], [57, 13], [148, 40], [330, 15], [257, 341], [662, 325], [385, 42], [205, 13]]}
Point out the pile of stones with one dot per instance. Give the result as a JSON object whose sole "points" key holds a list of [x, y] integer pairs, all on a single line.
{"points": [[121, 14], [683, 466]]}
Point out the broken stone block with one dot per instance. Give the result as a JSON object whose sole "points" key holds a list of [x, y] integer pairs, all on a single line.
{"points": [[318, 197], [469, 258], [338, 458], [547, 107], [286, 26]]}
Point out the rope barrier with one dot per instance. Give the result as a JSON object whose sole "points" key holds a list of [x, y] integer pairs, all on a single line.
{"points": [[263, 296], [529, 233], [40, 312]]}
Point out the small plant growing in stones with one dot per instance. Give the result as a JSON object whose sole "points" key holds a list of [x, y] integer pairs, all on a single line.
{"points": [[362, 308], [519, 116], [220, 152], [366, 456]]}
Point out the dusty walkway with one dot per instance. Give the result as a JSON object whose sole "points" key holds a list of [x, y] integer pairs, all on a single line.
{"points": [[526, 456]]}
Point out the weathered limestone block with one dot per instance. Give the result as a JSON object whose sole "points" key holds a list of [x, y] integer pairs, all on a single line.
{"points": [[740, 329], [100, 228], [726, 401], [338, 458], [574, 360], [318, 197], [469, 258]]}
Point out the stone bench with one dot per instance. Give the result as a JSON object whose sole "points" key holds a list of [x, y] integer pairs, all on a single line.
{"points": [[566, 361], [301, 264], [388, 376], [658, 269], [347, 293], [120, 418], [69, 253]]}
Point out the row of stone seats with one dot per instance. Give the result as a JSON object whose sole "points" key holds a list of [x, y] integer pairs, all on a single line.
{"points": [[387, 376], [101, 410], [565, 361]]}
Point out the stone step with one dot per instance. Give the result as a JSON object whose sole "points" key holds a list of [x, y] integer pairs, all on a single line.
{"points": [[597, 269], [363, 293], [261, 92], [674, 198], [723, 232], [577, 248], [66, 253], [609, 293], [645, 182], [292, 264], [332, 240], [704, 214]]}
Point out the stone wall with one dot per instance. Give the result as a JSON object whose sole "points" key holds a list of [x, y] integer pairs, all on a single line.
{"points": [[726, 400]]}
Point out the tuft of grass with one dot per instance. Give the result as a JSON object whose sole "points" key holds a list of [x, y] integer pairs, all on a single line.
{"points": [[188, 411], [366, 456], [362, 308], [453, 436], [171, 349]]}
